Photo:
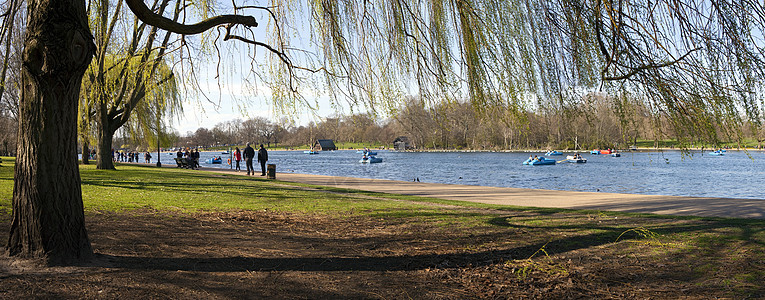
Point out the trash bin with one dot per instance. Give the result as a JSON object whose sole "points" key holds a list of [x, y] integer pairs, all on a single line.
{"points": [[271, 171]]}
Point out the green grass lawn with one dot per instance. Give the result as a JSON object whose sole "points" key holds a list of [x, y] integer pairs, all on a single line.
{"points": [[723, 253], [136, 187], [180, 190]]}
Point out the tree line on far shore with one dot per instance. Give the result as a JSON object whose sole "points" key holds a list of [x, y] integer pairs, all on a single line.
{"points": [[449, 126], [459, 126]]}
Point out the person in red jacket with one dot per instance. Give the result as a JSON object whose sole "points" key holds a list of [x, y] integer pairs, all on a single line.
{"points": [[237, 158]]}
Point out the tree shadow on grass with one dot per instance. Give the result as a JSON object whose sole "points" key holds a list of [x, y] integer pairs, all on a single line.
{"points": [[229, 189], [354, 263], [749, 228], [334, 255], [605, 235], [554, 238], [327, 264]]}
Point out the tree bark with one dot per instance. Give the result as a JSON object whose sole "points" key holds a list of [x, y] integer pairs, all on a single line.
{"points": [[85, 153], [48, 220], [145, 14], [105, 161]]}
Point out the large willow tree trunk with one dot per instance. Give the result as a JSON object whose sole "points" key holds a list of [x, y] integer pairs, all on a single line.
{"points": [[48, 219]]}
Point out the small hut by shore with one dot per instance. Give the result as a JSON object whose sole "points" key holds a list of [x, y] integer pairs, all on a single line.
{"points": [[402, 143], [324, 145]]}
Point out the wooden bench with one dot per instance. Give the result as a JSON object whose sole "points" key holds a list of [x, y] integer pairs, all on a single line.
{"points": [[181, 162]]}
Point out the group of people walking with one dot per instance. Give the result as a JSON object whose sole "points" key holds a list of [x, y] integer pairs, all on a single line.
{"points": [[249, 154], [127, 156]]}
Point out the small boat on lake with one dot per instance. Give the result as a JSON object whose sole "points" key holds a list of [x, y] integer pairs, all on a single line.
{"points": [[717, 153], [576, 159], [553, 152], [616, 154], [214, 160], [370, 160], [596, 152], [225, 152], [605, 151], [539, 161]]}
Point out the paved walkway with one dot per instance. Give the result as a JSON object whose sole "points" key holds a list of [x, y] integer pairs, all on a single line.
{"points": [[666, 205]]}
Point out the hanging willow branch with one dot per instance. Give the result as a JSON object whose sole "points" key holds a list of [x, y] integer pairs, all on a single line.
{"points": [[637, 69], [697, 64]]}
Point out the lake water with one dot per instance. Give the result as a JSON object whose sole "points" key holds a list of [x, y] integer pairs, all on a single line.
{"points": [[735, 175]]}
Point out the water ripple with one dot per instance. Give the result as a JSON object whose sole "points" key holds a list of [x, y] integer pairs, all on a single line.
{"points": [[734, 175]]}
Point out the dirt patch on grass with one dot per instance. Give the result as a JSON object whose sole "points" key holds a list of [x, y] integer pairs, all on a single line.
{"points": [[266, 254]]}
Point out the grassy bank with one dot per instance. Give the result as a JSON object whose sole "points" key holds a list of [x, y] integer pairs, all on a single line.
{"points": [[412, 246], [134, 187]]}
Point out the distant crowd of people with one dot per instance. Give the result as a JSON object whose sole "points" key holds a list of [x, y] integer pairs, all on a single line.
{"points": [[191, 157], [129, 156]]}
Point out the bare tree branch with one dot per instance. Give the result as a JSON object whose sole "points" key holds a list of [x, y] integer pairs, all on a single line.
{"points": [[146, 15], [649, 66]]}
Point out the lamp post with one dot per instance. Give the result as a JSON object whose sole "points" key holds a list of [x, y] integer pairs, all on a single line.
{"points": [[159, 154]]}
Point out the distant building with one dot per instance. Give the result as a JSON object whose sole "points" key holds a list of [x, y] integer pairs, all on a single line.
{"points": [[324, 145], [402, 144]]}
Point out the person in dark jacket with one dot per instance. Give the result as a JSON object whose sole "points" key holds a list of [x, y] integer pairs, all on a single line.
{"points": [[249, 154], [262, 159], [195, 158]]}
